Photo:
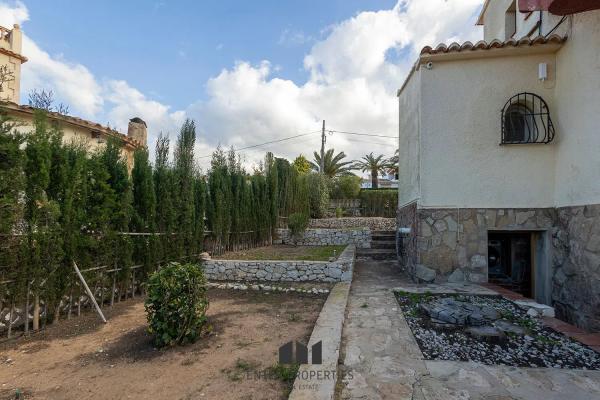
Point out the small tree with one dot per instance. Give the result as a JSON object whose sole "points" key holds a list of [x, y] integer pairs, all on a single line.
{"points": [[302, 164], [318, 195], [297, 223], [177, 304], [374, 164]]}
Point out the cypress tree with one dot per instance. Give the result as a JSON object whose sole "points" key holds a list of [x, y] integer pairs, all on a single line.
{"points": [[144, 209], [184, 186], [163, 187]]}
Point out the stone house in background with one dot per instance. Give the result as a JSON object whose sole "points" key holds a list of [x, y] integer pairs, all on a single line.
{"points": [[500, 158], [92, 134]]}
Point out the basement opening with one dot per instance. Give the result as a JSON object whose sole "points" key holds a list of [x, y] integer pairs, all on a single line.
{"points": [[517, 261]]}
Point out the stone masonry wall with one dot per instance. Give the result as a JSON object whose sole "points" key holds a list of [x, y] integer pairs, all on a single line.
{"points": [[407, 218], [339, 270], [360, 237], [576, 260], [456, 239], [373, 223]]}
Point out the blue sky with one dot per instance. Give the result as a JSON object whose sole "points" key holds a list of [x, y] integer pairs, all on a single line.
{"points": [[247, 72], [139, 40]]}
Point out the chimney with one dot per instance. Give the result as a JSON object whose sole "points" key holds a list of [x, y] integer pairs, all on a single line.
{"points": [[137, 130]]}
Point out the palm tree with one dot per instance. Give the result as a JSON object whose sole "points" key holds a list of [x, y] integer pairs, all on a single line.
{"points": [[375, 165], [333, 165], [392, 167]]}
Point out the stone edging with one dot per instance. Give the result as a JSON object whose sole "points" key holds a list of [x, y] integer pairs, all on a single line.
{"points": [[339, 270], [264, 288], [318, 381]]}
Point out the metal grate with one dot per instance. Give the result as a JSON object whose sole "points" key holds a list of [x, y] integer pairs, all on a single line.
{"points": [[526, 119]]}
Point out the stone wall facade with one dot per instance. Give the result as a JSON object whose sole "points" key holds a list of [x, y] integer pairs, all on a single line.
{"points": [[373, 223], [407, 218], [339, 270], [360, 237], [451, 239], [576, 261], [454, 243]]}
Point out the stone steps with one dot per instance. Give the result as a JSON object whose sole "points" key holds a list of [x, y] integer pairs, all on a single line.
{"points": [[377, 254], [383, 244]]}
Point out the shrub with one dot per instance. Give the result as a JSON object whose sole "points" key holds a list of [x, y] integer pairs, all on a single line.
{"points": [[297, 222], [346, 187], [318, 195], [339, 213], [177, 304], [379, 202]]}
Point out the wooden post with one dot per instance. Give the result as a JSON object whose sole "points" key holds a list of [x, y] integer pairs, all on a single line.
{"points": [[10, 318], [89, 292], [27, 309], [36, 312], [114, 287]]}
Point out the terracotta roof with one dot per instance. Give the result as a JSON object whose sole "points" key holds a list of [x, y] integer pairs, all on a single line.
{"points": [[93, 126], [495, 44], [481, 48], [13, 54]]}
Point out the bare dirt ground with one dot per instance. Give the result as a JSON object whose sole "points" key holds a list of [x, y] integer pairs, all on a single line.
{"points": [[83, 359]]}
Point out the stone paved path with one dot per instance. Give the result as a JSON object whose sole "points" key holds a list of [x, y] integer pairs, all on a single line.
{"points": [[381, 359]]}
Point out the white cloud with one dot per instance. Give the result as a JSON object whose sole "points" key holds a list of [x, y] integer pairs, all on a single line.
{"points": [[354, 73], [291, 37], [13, 14], [352, 83]]}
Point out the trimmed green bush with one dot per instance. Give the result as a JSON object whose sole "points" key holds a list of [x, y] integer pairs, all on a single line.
{"points": [[345, 187], [297, 222], [318, 195], [177, 304], [379, 202]]}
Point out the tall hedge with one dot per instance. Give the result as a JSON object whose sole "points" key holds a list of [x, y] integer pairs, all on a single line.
{"points": [[61, 203]]}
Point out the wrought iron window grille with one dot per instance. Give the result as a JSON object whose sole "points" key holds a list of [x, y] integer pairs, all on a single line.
{"points": [[526, 119]]}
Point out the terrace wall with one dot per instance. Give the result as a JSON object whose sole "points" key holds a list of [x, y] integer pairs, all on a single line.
{"points": [[339, 270], [360, 237]]}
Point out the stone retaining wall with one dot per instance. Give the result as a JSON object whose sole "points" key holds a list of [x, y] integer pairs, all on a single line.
{"points": [[373, 223], [360, 237], [453, 243], [576, 260], [339, 270]]}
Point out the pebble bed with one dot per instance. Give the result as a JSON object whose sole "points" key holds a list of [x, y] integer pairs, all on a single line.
{"points": [[540, 347]]}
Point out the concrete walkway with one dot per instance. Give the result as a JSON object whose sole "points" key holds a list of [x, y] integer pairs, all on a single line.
{"points": [[381, 359]]}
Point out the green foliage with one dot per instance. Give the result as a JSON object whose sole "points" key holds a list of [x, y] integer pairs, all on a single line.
{"points": [[379, 203], [339, 213], [318, 195], [375, 165], [297, 223], [302, 165], [345, 187], [176, 305], [332, 165]]}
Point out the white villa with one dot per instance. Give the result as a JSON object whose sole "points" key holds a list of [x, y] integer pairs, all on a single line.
{"points": [[499, 167]]}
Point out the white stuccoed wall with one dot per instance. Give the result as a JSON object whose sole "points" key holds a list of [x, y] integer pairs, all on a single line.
{"points": [[409, 112], [463, 164], [577, 110]]}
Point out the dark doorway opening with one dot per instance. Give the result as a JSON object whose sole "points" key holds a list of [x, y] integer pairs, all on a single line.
{"points": [[510, 261]]}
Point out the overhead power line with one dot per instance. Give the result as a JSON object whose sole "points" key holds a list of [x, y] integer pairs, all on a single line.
{"points": [[270, 142], [364, 134]]}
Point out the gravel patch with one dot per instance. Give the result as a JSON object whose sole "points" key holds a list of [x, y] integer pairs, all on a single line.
{"points": [[528, 344]]}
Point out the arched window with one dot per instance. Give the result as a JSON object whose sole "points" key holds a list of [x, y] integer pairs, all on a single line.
{"points": [[526, 119]]}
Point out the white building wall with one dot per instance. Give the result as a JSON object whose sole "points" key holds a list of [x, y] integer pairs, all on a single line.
{"points": [[577, 110], [463, 164], [408, 168]]}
